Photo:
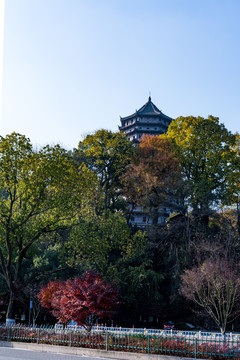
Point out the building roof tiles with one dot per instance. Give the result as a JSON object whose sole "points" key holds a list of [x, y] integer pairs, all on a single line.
{"points": [[148, 109]]}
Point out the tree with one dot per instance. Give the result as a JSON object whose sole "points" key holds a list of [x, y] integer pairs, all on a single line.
{"points": [[153, 176], [140, 288], [107, 154], [204, 148], [98, 241], [215, 287], [82, 300], [41, 192]]}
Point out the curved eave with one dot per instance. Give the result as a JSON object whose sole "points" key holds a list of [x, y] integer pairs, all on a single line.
{"points": [[159, 116], [166, 117], [127, 127], [137, 128], [145, 131], [148, 132], [134, 116], [138, 124], [128, 117]]}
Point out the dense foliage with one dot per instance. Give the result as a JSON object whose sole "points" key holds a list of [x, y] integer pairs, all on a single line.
{"points": [[64, 213]]}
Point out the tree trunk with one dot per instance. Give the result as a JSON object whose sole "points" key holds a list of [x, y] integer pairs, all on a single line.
{"points": [[155, 216], [106, 203], [223, 330], [223, 326], [11, 311], [238, 219]]}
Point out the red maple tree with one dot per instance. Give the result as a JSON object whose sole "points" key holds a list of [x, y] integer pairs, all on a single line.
{"points": [[81, 300]]}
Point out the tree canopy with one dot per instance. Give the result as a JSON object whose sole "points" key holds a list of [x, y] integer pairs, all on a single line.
{"points": [[41, 192], [204, 148], [107, 154], [153, 176]]}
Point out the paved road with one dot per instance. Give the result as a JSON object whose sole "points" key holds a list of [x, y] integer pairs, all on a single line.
{"points": [[20, 354]]}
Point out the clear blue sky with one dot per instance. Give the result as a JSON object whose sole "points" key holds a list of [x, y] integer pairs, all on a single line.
{"points": [[71, 67]]}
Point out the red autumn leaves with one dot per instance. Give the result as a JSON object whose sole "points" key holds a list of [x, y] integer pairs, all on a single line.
{"points": [[80, 299]]}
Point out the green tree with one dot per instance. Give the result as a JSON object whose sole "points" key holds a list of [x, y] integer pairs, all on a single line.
{"points": [[107, 154], [204, 148], [101, 240], [140, 286], [41, 192]]}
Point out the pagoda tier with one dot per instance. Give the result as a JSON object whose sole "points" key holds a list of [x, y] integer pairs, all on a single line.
{"points": [[147, 120]]}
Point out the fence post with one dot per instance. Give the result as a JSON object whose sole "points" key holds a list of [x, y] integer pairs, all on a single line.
{"points": [[224, 342], [148, 348], [195, 348], [38, 335], [106, 340], [70, 341], [9, 332]]}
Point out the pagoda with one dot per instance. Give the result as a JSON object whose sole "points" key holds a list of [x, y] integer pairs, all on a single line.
{"points": [[147, 120]]}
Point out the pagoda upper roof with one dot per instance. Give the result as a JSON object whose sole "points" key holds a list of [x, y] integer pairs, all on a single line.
{"points": [[148, 109]]}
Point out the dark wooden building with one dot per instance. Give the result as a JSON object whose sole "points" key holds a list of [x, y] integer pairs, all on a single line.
{"points": [[147, 120]]}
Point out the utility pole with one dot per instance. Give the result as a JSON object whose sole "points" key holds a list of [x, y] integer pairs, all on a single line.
{"points": [[30, 308]]}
